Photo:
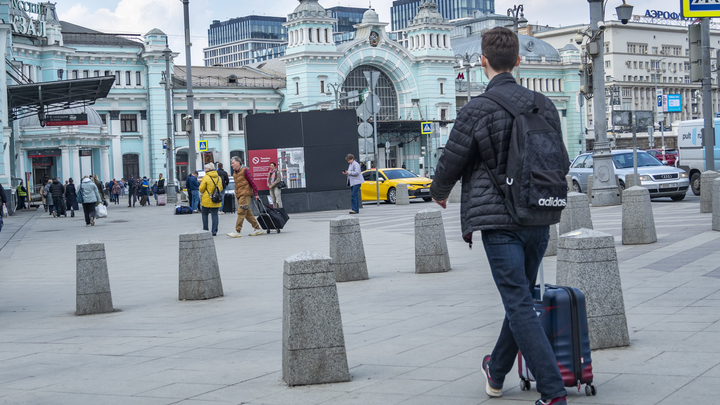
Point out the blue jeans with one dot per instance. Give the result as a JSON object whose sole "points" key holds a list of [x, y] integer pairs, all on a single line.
{"points": [[514, 258], [222, 193], [195, 199], [355, 200], [214, 213]]}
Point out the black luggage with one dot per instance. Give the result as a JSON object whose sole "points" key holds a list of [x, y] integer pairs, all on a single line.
{"points": [[143, 200], [271, 218], [229, 203], [564, 319]]}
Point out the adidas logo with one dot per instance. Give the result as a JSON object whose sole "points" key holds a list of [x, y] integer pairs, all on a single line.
{"points": [[552, 202]]}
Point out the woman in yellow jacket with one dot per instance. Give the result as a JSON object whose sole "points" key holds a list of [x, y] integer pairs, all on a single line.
{"points": [[209, 182]]}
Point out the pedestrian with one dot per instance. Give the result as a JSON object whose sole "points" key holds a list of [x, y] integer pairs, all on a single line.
{"points": [[99, 186], [188, 181], [273, 183], [48, 197], [154, 189], [225, 182], [354, 180], [22, 194], [122, 187], [144, 192], [71, 197], [209, 183], [56, 192], [91, 198], [3, 206], [132, 191], [478, 145], [193, 187], [245, 189], [116, 192]]}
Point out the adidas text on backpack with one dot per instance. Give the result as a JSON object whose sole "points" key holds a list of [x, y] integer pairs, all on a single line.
{"points": [[534, 189]]}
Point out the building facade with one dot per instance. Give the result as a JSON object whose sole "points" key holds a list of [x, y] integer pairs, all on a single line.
{"points": [[404, 11], [244, 40]]}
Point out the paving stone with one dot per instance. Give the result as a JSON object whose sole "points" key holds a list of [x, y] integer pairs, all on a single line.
{"points": [[347, 251]]}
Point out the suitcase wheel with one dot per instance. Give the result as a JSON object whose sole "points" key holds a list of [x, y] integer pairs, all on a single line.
{"points": [[590, 390], [278, 231], [524, 384], [268, 231]]}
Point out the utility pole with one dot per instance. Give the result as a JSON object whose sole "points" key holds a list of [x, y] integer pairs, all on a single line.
{"points": [[169, 149], [709, 134], [605, 190], [192, 149], [518, 20]]}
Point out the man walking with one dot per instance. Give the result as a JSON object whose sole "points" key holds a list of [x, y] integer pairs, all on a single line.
{"points": [[132, 191], [478, 144], [193, 188], [225, 181], [354, 180], [56, 192], [21, 193], [245, 189]]}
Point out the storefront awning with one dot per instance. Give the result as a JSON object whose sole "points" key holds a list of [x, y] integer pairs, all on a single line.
{"points": [[35, 98]]}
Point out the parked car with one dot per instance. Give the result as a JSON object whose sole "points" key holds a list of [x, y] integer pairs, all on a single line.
{"points": [[669, 159], [660, 180], [389, 179]]}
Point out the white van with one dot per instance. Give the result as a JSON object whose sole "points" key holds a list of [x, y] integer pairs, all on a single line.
{"points": [[691, 153]]}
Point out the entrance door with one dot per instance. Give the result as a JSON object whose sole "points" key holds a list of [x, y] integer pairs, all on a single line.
{"points": [[131, 165], [86, 167], [393, 158]]}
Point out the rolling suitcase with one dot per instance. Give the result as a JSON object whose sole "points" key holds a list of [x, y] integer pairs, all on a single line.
{"points": [[271, 218], [161, 199], [229, 203], [564, 319], [143, 200]]}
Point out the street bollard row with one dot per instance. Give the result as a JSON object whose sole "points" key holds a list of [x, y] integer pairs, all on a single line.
{"points": [[638, 223], [706, 198]]}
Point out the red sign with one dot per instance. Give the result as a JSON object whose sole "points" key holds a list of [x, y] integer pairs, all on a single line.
{"points": [[259, 164], [56, 120]]}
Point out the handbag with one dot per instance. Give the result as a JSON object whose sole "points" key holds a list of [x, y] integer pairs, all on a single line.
{"points": [[281, 184], [80, 199], [215, 197]]}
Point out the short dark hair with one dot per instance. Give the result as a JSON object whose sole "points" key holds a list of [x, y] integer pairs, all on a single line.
{"points": [[501, 48]]}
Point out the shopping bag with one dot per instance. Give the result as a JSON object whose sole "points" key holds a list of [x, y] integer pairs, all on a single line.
{"points": [[4, 212], [101, 211]]}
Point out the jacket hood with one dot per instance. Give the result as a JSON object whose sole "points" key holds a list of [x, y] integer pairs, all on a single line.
{"points": [[86, 180]]}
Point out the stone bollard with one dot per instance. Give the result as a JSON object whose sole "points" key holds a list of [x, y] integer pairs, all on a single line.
{"points": [[456, 193], [638, 223], [569, 180], [589, 189], [552, 242], [199, 270], [630, 181], [401, 194], [92, 288], [347, 253], [576, 214], [587, 260], [706, 199], [313, 349], [431, 252], [716, 205]]}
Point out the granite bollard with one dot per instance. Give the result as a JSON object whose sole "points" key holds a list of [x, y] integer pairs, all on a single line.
{"points": [[401, 194], [587, 260], [455, 193], [638, 223], [589, 189], [570, 182], [313, 347], [706, 198], [347, 253], [552, 242], [431, 251], [576, 214], [716, 205], [92, 288], [199, 272]]}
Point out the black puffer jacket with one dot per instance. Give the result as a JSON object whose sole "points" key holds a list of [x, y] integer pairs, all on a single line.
{"points": [[56, 189], [482, 132]]}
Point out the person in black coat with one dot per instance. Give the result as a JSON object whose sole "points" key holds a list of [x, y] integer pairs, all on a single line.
{"points": [[3, 202], [132, 191], [225, 181], [56, 191], [71, 197]]}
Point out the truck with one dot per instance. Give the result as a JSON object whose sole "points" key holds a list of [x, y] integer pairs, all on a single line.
{"points": [[692, 152]]}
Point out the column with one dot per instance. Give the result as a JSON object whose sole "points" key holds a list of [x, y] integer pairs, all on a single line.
{"points": [[224, 141], [146, 145], [65, 163], [75, 156], [105, 162], [198, 136], [115, 131], [20, 167]]}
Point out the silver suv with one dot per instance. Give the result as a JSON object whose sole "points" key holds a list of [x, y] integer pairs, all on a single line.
{"points": [[660, 180]]}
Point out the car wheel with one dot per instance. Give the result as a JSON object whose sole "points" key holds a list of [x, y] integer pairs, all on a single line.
{"points": [[695, 183], [678, 197], [427, 199], [622, 185], [576, 187], [392, 196]]}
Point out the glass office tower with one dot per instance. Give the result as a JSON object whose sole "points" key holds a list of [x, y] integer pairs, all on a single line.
{"points": [[402, 11], [244, 40]]}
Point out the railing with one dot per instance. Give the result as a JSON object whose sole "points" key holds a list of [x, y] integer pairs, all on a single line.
{"points": [[223, 81]]}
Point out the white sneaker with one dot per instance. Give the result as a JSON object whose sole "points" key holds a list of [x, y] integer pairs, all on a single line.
{"points": [[257, 232], [234, 235]]}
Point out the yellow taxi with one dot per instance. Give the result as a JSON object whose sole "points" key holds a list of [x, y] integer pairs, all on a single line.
{"points": [[418, 187]]}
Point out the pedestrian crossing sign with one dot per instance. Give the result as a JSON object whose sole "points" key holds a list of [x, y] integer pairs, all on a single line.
{"points": [[700, 8], [202, 146], [426, 128]]}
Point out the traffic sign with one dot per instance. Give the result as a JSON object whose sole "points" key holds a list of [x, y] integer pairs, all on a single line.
{"points": [[699, 8], [365, 130], [659, 100], [426, 128], [202, 146]]}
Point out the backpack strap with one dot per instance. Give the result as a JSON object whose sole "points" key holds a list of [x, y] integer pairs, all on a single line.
{"points": [[514, 110]]}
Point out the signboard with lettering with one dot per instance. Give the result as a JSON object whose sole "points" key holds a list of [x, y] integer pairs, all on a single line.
{"points": [[699, 8], [673, 103], [28, 26], [39, 153], [56, 120]]}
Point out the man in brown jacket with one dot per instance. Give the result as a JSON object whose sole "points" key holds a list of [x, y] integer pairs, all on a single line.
{"points": [[244, 191]]}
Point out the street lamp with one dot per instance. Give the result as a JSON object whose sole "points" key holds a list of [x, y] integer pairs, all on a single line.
{"points": [[466, 61], [518, 21], [170, 192], [337, 89], [657, 71], [613, 93]]}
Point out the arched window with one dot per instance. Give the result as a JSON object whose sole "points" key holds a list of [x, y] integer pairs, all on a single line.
{"points": [[384, 89]]}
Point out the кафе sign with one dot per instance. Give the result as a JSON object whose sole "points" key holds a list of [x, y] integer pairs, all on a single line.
{"points": [[28, 26]]}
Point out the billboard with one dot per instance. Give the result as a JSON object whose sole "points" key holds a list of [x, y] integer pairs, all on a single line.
{"points": [[673, 104]]}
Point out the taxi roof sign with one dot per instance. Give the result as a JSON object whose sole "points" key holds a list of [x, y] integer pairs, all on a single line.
{"points": [[202, 146], [426, 128], [699, 8]]}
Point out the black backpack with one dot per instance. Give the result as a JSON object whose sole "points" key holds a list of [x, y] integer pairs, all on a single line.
{"points": [[535, 189], [215, 197]]}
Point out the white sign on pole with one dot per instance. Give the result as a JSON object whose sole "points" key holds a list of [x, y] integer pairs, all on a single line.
{"points": [[365, 130]]}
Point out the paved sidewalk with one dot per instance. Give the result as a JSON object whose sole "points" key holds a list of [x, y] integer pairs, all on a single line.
{"points": [[411, 339]]}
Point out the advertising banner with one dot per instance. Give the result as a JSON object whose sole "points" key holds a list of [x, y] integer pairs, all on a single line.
{"points": [[259, 164], [56, 120], [673, 103]]}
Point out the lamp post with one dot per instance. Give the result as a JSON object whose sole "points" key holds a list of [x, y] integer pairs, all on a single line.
{"points": [[657, 71], [613, 93], [518, 21], [337, 89], [192, 164], [169, 149], [466, 61]]}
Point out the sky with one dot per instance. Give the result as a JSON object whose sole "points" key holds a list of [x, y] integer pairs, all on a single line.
{"points": [[141, 16]]}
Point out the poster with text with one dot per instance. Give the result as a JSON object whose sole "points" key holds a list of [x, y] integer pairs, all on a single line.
{"points": [[259, 165]]}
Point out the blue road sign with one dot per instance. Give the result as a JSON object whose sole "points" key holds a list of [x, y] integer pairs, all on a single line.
{"points": [[202, 146], [426, 128], [673, 103], [659, 100]]}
